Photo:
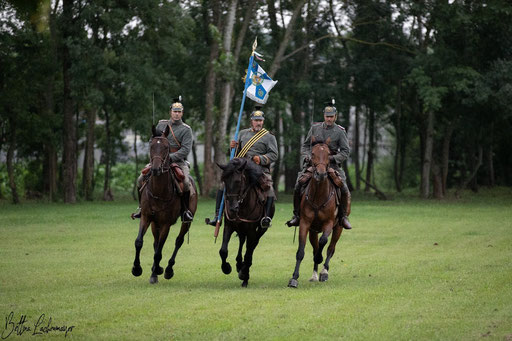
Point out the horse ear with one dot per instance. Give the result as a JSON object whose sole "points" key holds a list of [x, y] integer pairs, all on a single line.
{"points": [[153, 130], [166, 132], [328, 140], [223, 167]]}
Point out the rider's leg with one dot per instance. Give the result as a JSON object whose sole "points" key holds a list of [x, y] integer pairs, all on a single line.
{"points": [[218, 199], [187, 215], [137, 212], [345, 206], [296, 206], [266, 222]]}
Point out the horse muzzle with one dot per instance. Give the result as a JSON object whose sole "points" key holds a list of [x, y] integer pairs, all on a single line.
{"points": [[156, 171], [320, 176]]}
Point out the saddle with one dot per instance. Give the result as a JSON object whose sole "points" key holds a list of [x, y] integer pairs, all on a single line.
{"points": [[179, 176]]}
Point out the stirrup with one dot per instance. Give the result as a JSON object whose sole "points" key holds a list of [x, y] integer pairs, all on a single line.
{"points": [[266, 222], [136, 214], [210, 221], [295, 221], [187, 217]]}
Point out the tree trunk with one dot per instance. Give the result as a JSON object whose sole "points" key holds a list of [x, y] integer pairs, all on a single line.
{"points": [[69, 152], [490, 158], [398, 142], [445, 158], [197, 173], [50, 171], [371, 149], [437, 180], [10, 157], [225, 103], [107, 192], [88, 168], [427, 156], [355, 150], [209, 166], [134, 189]]}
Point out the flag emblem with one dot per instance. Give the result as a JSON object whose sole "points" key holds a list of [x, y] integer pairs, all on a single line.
{"points": [[260, 85]]}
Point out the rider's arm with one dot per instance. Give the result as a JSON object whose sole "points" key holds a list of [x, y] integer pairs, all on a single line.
{"points": [[271, 155], [186, 145], [343, 150]]}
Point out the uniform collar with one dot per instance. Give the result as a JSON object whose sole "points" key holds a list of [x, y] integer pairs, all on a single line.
{"points": [[325, 126], [176, 123]]}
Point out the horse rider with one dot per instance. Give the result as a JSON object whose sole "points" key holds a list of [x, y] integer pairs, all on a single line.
{"points": [[339, 151], [259, 145], [180, 140]]}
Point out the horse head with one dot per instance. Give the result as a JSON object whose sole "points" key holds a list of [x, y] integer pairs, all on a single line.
{"points": [[320, 158], [239, 175], [159, 149]]}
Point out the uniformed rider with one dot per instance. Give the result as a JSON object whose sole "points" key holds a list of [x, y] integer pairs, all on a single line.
{"points": [[339, 151], [263, 152], [180, 140]]}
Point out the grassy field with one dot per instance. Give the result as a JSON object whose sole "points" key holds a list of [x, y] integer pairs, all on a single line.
{"points": [[409, 270]]}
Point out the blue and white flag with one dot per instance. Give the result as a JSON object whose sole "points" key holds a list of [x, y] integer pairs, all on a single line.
{"points": [[260, 84]]}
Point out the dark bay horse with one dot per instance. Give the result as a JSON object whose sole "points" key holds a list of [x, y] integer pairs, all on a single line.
{"points": [[161, 207], [318, 214], [242, 213]]}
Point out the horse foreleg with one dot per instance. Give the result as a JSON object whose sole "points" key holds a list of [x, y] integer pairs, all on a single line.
{"points": [[313, 239], [324, 275], [223, 252], [143, 226], [327, 229], [303, 231], [157, 269], [169, 272], [252, 242], [239, 258]]}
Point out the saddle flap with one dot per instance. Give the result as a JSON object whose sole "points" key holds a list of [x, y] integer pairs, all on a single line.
{"points": [[335, 177], [178, 172]]}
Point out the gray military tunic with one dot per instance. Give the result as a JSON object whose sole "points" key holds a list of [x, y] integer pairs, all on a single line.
{"points": [[181, 143], [265, 148], [338, 145]]}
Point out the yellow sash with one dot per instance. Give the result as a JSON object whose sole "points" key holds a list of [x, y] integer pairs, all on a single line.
{"points": [[252, 141]]}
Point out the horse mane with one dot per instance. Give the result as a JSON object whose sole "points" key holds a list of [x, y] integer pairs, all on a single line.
{"points": [[252, 170]]}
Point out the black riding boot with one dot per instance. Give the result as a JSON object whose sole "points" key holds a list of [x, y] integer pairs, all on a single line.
{"points": [[218, 199], [266, 222], [186, 216], [296, 209], [137, 212]]}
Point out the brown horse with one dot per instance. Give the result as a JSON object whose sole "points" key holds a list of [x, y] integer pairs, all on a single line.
{"points": [[161, 207], [243, 212], [318, 212]]}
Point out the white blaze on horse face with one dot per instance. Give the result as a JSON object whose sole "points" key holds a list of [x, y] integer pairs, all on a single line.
{"points": [[157, 141]]}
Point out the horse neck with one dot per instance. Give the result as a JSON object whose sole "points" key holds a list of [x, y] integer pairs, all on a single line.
{"points": [[160, 184], [319, 190]]}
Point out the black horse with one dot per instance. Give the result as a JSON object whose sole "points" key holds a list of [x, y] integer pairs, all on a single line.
{"points": [[243, 212], [161, 207]]}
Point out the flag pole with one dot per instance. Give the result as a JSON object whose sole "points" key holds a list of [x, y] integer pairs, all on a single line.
{"points": [[233, 150]]}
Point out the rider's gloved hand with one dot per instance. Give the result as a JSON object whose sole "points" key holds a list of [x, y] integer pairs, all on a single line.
{"points": [[256, 159]]}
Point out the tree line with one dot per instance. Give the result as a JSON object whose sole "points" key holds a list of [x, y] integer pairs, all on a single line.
{"points": [[436, 76]]}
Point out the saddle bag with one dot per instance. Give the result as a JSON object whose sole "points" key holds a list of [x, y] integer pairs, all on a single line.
{"points": [[178, 172], [304, 178], [146, 169]]}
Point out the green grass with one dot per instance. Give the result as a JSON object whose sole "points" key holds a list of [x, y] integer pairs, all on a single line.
{"points": [[409, 270]]}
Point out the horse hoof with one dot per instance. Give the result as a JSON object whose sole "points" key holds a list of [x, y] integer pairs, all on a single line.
{"points": [[293, 283], [226, 268], [169, 273], [324, 277], [136, 271], [242, 276], [153, 280], [244, 284], [159, 270], [314, 278]]}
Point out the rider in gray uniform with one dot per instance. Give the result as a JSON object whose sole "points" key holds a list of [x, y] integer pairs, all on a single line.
{"points": [[180, 140], [339, 151]]}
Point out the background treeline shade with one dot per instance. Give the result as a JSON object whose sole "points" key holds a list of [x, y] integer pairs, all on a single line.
{"points": [[432, 77]]}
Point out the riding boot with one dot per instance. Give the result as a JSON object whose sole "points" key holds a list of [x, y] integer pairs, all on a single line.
{"points": [[266, 222], [137, 212], [296, 209], [345, 202], [218, 199], [186, 216]]}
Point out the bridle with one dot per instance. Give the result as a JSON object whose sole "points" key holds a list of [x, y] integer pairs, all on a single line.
{"points": [[316, 207], [240, 197], [163, 166]]}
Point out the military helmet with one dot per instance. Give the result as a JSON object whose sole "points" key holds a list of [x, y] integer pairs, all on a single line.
{"points": [[330, 109], [257, 114], [177, 105]]}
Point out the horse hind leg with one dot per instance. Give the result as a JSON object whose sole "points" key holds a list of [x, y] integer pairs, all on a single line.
{"points": [[239, 257], [313, 239], [139, 242]]}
